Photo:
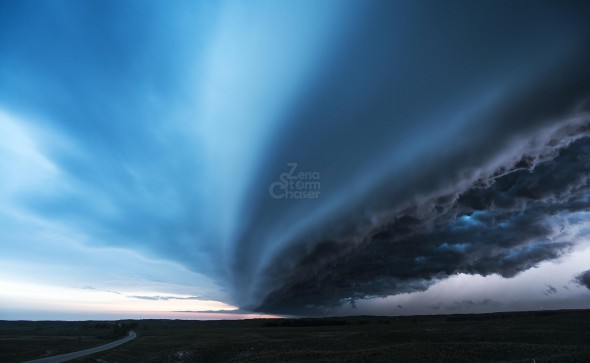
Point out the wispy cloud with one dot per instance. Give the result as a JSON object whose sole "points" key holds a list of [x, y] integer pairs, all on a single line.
{"points": [[550, 290], [95, 289]]}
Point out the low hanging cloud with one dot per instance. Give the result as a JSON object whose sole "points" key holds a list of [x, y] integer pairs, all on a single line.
{"points": [[503, 225], [583, 279], [461, 305], [494, 187], [550, 290]]}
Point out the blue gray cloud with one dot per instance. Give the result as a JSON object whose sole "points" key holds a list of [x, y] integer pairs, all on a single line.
{"points": [[583, 279]]}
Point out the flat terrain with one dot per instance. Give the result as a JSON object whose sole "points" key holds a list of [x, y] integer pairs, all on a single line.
{"points": [[548, 336], [81, 353]]}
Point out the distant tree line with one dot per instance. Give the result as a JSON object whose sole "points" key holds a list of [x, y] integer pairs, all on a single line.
{"points": [[304, 322], [496, 316], [115, 330]]}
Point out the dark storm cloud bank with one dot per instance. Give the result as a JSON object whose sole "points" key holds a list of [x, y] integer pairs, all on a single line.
{"points": [[503, 228], [583, 279], [434, 160]]}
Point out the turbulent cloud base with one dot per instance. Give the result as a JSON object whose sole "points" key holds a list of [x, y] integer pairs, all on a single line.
{"points": [[504, 225]]}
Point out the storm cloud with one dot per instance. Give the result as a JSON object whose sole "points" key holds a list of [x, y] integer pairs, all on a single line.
{"points": [[504, 228], [441, 139], [415, 194], [583, 279]]}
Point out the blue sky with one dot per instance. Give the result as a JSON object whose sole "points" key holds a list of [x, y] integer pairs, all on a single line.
{"points": [[138, 141], [130, 130]]}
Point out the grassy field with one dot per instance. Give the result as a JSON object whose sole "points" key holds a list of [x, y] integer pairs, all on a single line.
{"points": [[21, 340], [559, 336]]}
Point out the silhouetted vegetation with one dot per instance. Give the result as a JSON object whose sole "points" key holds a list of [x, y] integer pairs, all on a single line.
{"points": [[304, 322], [496, 316], [546, 336], [121, 329]]}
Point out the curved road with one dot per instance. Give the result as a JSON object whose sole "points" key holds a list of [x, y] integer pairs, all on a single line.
{"points": [[69, 356]]}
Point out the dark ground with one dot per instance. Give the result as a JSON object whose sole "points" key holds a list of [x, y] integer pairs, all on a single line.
{"points": [[547, 336]]}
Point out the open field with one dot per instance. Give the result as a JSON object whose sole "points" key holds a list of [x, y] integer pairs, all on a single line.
{"points": [[558, 336], [21, 340]]}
